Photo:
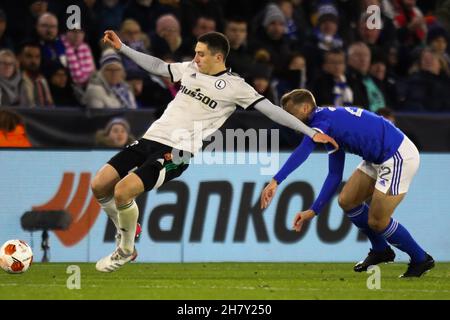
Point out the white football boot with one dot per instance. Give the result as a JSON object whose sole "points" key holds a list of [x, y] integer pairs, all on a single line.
{"points": [[115, 260]]}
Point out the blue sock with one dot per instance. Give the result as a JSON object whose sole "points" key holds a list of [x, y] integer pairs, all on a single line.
{"points": [[360, 218], [400, 238]]}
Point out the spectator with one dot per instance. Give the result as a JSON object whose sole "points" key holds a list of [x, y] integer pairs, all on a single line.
{"points": [[261, 81], [325, 37], [410, 23], [239, 58], [5, 40], [385, 80], [12, 89], [427, 89], [135, 81], [22, 16], [146, 12], [331, 87], [192, 10], [108, 89], [168, 41], [116, 134], [111, 14], [61, 86], [202, 25], [158, 91], [366, 93], [271, 40], [411, 32], [12, 130], [52, 47], [36, 87], [132, 36], [80, 61], [292, 77], [437, 40]]}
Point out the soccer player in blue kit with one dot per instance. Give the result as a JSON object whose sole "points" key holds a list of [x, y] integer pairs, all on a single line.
{"points": [[390, 161]]}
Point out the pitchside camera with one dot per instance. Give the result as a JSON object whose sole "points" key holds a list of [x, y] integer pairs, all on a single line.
{"points": [[45, 220]]}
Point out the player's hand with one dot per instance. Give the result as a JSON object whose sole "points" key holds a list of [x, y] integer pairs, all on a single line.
{"points": [[301, 218], [111, 38], [323, 138], [268, 193]]}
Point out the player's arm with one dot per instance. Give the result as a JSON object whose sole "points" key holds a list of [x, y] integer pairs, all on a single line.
{"points": [[145, 61], [300, 154], [336, 161], [284, 118]]}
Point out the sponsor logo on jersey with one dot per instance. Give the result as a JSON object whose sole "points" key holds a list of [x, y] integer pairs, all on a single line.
{"points": [[196, 94]]}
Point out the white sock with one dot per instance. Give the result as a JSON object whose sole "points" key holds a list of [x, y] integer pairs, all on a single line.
{"points": [[109, 205], [128, 217]]}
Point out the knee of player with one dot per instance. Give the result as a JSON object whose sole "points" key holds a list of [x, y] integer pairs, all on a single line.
{"points": [[97, 187], [378, 224], [345, 202], [121, 194]]}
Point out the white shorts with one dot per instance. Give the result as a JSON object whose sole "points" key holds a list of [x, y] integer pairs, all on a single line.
{"points": [[396, 173]]}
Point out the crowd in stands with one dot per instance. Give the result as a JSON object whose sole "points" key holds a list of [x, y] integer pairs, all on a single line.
{"points": [[329, 47]]}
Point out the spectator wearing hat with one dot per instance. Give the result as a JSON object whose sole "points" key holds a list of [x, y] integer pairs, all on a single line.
{"points": [[80, 61], [116, 134], [5, 40], [271, 38], [108, 88], [12, 89], [61, 86], [324, 38]]}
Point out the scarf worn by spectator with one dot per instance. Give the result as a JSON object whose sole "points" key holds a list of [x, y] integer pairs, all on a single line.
{"points": [[12, 93], [343, 94], [122, 93], [328, 42], [80, 62]]}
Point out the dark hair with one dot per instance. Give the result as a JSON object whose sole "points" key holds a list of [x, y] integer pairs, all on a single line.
{"points": [[236, 19], [27, 43], [216, 42]]}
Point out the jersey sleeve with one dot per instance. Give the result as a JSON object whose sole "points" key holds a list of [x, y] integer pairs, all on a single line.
{"points": [[177, 69], [245, 95], [295, 159], [336, 163]]}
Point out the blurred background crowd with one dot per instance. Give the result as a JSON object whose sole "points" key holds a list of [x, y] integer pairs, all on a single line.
{"points": [[326, 46]]}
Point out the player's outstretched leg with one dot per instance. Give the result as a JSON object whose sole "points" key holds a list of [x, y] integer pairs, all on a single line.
{"points": [[357, 190], [125, 192], [380, 252], [381, 209]]}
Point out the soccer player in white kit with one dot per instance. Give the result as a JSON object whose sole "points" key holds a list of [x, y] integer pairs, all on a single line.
{"points": [[208, 95]]}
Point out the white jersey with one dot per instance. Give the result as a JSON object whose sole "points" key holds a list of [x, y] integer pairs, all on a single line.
{"points": [[200, 107]]}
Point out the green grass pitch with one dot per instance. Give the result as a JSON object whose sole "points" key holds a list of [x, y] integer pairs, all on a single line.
{"points": [[222, 281]]}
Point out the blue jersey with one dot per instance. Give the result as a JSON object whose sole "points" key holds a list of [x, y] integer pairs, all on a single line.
{"points": [[359, 132], [356, 131]]}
